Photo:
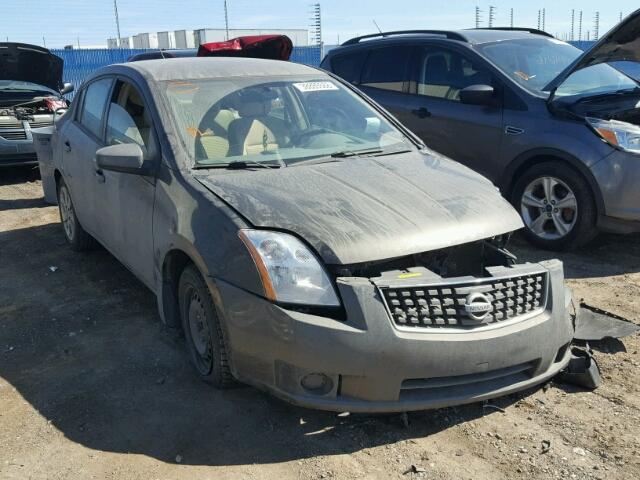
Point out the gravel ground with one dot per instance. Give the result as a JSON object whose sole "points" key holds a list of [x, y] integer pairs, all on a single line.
{"points": [[92, 386]]}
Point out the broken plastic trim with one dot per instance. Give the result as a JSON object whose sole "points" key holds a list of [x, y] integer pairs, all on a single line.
{"points": [[582, 369]]}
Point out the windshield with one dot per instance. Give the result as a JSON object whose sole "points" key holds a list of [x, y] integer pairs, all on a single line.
{"points": [[535, 62], [20, 86], [277, 121]]}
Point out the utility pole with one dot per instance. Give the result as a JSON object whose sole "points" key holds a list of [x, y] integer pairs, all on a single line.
{"points": [[226, 20], [492, 15], [573, 23], [596, 26], [620, 16], [115, 9], [539, 18], [580, 26], [511, 18], [544, 19], [44, 42], [478, 17], [316, 24]]}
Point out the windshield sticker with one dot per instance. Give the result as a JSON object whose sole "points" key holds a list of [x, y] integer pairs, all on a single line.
{"points": [[306, 87], [373, 125]]}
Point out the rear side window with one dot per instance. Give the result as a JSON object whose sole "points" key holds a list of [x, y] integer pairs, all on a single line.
{"points": [[349, 66], [386, 68], [95, 99]]}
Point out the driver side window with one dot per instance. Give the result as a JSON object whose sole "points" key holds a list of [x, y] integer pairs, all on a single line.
{"points": [[129, 120], [443, 73]]}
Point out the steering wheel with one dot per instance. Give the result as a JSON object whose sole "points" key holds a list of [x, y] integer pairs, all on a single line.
{"points": [[336, 119]]}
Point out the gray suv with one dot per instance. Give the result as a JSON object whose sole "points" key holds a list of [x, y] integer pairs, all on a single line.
{"points": [[558, 130]]}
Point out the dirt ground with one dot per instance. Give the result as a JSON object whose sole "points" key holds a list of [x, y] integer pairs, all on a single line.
{"points": [[93, 386]]}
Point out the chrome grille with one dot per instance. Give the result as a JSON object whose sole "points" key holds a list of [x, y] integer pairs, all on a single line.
{"points": [[14, 135], [442, 305], [40, 123]]}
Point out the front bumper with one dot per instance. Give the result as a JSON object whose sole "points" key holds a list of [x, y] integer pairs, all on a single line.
{"points": [[376, 367], [17, 152], [618, 176]]}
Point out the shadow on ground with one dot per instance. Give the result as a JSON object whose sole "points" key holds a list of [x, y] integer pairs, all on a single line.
{"points": [[84, 346], [15, 175]]}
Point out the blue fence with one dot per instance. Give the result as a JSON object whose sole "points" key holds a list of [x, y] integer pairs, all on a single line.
{"points": [[79, 64]]}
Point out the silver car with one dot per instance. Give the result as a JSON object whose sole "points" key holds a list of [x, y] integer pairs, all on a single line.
{"points": [[304, 241]]}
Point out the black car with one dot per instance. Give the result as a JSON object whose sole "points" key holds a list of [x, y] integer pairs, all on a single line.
{"points": [[558, 130]]}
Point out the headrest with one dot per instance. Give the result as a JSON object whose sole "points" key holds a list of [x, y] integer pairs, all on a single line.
{"points": [[253, 104]]}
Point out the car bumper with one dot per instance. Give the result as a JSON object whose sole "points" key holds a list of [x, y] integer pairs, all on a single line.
{"points": [[618, 176], [374, 366], [17, 152]]}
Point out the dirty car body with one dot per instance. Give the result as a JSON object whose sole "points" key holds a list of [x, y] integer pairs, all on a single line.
{"points": [[30, 97], [350, 268]]}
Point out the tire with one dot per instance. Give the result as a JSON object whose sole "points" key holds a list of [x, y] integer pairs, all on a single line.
{"points": [[76, 236], [202, 330], [540, 194]]}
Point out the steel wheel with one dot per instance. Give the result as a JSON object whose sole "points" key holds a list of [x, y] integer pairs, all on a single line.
{"points": [[549, 208], [200, 333], [67, 215]]}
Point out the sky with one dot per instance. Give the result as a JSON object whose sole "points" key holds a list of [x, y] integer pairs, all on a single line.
{"points": [[90, 22]]}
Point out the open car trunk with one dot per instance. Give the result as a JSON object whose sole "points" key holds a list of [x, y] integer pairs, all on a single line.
{"points": [[274, 47]]}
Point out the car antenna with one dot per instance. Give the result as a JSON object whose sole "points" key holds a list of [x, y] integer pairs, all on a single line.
{"points": [[380, 30]]}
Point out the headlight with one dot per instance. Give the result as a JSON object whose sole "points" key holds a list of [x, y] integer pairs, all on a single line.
{"points": [[619, 134], [290, 272]]}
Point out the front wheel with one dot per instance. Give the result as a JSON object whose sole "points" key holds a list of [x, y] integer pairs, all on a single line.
{"points": [[76, 236], [202, 329], [557, 206]]}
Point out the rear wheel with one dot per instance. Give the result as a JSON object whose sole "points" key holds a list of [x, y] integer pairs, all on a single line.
{"points": [[202, 329], [557, 206], [78, 239]]}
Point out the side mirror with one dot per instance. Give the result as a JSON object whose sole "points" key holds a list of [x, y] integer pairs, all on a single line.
{"points": [[67, 88], [477, 95], [124, 157]]}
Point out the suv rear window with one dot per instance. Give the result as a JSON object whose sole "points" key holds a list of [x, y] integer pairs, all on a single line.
{"points": [[386, 68], [349, 66]]}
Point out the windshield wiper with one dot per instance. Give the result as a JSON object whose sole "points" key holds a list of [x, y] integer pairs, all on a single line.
{"points": [[239, 165], [355, 153]]}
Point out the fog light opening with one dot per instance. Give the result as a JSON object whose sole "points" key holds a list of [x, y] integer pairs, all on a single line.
{"points": [[317, 383]]}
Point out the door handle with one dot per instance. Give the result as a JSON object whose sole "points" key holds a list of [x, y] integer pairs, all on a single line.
{"points": [[421, 112], [67, 146], [100, 176]]}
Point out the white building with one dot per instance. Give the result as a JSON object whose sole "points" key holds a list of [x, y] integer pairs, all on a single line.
{"points": [[145, 40], [166, 40], [184, 39]]}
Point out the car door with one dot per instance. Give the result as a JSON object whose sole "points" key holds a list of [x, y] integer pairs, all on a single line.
{"points": [[79, 139], [470, 134], [126, 207], [384, 78]]}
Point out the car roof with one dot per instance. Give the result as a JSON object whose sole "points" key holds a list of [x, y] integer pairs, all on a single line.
{"points": [[474, 36], [209, 67]]}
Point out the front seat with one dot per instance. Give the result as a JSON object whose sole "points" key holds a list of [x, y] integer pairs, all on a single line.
{"points": [[436, 77], [254, 132]]}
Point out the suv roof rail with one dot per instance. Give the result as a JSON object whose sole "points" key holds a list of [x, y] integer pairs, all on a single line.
{"points": [[447, 34], [535, 31]]}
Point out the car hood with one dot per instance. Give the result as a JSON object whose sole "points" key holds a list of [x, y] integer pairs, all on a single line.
{"points": [[367, 209], [30, 63], [620, 44]]}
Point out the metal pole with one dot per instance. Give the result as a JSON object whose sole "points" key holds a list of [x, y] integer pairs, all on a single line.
{"points": [[573, 23], [115, 8], [492, 15], [226, 19], [596, 29], [478, 17], [580, 26], [511, 18]]}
